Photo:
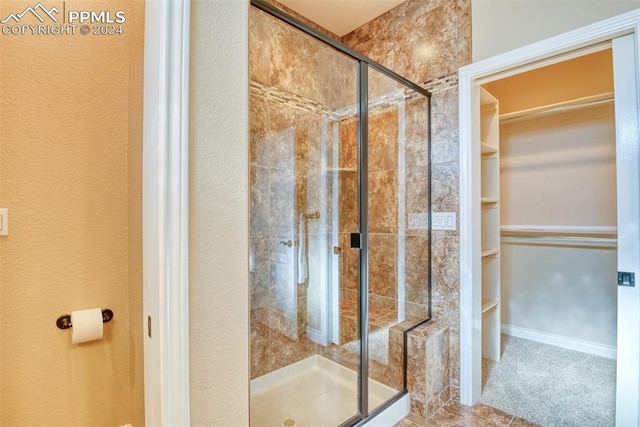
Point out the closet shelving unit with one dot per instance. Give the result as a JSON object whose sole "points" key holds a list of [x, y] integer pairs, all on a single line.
{"points": [[490, 224]]}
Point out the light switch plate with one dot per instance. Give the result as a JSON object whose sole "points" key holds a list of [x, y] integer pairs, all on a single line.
{"points": [[4, 222], [443, 221]]}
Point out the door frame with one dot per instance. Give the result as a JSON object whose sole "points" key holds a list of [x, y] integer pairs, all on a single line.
{"points": [[165, 212], [549, 51]]}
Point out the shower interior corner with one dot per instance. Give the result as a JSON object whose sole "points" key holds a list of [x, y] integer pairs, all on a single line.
{"points": [[304, 186]]}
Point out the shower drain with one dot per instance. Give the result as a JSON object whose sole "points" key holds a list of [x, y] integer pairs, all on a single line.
{"points": [[289, 422]]}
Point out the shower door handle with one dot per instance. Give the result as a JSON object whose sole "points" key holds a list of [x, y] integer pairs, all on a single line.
{"points": [[355, 241], [288, 243]]}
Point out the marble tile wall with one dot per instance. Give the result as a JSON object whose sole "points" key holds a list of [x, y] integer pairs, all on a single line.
{"points": [[427, 41]]}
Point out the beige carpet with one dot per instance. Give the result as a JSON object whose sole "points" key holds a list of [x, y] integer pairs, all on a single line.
{"points": [[551, 386]]}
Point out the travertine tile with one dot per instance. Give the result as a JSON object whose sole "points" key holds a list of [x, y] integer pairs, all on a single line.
{"points": [[383, 141], [294, 62], [348, 328], [383, 208], [455, 414], [416, 269], [452, 318], [444, 132], [339, 73], [259, 342], [416, 310], [422, 55], [464, 32], [445, 187], [381, 306], [259, 201], [348, 143], [437, 365], [259, 272], [416, 194], [260, 45], [283, 317], [281, 202], [455, 393], [380, 50], [416, 369], [418, 410], [439, 400], [405, 422], [445, 286], [382, 265], [259, 131], [285, 350], [368, 31]]}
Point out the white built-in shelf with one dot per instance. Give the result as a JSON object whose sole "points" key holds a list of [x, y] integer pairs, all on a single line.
{"points": [[487, 101], [489, 200], [561, 107], [487, 149], [490, 252], [489, 140], [488, 304]]}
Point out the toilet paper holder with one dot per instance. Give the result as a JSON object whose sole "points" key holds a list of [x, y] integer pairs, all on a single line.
{"points": [[64, 321]]}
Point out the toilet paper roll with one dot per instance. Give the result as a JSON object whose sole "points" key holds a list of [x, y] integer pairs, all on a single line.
{"points": [[86, 325]]}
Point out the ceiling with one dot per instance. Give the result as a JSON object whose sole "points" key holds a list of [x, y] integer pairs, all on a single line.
{"points": [[341, 16]]}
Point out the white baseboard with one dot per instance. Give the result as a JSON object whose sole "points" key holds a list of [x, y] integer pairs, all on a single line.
{"points": [[316, 336], [560, 341], [393, 414]]}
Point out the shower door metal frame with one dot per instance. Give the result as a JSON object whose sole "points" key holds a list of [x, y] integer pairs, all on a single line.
{"points": [[364, 64]]}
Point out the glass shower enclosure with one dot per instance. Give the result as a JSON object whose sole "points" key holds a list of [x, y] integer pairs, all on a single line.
{"points": [[339, 225]]}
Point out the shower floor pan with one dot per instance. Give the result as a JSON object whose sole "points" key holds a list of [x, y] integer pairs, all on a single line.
{"points": [[317, 392]]}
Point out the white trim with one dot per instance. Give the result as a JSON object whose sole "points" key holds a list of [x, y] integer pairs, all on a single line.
{"points": [[562, 241], [560, 341], [393, 414], [625, 77], [566, 230], [165, 212], [316, 336], [548, 51]]}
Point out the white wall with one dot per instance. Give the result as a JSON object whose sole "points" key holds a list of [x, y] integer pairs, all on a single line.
{"points": [[565, 291], [219, 236], [502, 25], [560, 170]]}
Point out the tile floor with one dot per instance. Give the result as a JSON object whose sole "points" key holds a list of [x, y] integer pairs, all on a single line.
{"points": [[316, 392], [455, 414]]}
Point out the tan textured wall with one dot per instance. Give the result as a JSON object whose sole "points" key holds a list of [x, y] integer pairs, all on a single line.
{"points": [[219, 208], [70, 162], [503, 25], [136, 317]]}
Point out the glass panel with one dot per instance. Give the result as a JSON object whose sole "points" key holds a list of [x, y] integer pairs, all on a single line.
{"points": [[398, 227], [304, 203]]}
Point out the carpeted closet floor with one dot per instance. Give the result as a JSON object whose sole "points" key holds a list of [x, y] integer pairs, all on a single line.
{"points": [[551, 386]]}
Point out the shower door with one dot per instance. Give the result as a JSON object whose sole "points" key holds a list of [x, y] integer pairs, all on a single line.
{"points": [[305, 349], [339, 181]]}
